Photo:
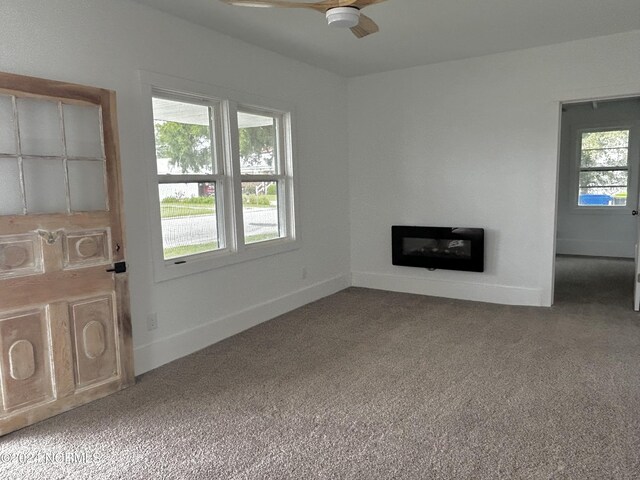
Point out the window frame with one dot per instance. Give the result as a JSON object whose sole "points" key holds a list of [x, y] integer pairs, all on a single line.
{"points": [[220, 172], [632, 181], [282, 177], [229, 210]]}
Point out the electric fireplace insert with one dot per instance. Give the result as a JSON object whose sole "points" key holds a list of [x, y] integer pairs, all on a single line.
{"points": [[448, 248]]}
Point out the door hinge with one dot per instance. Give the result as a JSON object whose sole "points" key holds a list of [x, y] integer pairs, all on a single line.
{"points": [[119, 267]]}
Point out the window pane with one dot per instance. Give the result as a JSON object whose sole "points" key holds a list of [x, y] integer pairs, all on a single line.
{"points": [[608, 188], [7, 126], [86, 185], [188, 216], [609, 157], [183, 137], [605, 139], [45, 186], [10, 190], [604, 149], [606, 178], [82, 131], [258, 146], [603, 197], [39, 122], [260, 211]]}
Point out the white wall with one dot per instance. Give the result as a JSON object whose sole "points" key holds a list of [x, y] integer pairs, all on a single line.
{"points": [[472, 143], [104, 43], [606, 232]]}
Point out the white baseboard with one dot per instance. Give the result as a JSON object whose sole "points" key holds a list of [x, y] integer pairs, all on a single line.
{"points": [[595, 248], [480, 292], [165, 350]]}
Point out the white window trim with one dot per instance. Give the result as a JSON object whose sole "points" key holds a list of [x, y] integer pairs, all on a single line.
{"points": [[632, 175], [234, 251]]}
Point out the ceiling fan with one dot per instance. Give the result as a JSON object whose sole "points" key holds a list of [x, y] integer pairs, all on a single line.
{"points": [[339, 13]]}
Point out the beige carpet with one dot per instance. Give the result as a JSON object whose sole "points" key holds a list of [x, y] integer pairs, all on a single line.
{"points": [[374, 385]]}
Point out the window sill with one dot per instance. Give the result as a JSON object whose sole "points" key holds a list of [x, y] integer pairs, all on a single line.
{"points": [[170, 270]]}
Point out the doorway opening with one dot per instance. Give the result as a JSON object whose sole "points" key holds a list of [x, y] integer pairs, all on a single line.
{"points": [[597, 209]]}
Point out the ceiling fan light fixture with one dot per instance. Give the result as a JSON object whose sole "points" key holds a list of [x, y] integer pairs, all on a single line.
{"points": [[344, 17]]}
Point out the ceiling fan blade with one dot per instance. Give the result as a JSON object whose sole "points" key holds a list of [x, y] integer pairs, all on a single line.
{"points": [[268, 3], [365, 3], [327, 4], [365, 27], [321, 6]]}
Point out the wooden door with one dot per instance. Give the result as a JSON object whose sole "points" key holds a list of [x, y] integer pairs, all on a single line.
{"points": [[65, 327]]}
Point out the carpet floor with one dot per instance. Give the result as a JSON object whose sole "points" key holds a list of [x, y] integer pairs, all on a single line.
{"points": [[368, 384]]}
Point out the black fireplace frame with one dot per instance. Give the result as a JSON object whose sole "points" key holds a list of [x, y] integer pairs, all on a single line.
{"points": [[474, 262]]}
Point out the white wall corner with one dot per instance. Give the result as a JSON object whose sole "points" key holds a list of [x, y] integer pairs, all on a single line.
{"points": [[165, 350]]}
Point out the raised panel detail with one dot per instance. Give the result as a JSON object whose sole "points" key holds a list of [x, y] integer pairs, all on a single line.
{"points": [[15, 256], [93, 337], [84, 249], [22, 362], [26, 372], [94, 334], [87, 247], [20, 255]]}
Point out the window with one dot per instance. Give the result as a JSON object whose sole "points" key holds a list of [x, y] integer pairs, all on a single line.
{"points": [[189, 176], [224, 176], [52, 157], [603, 174], [260, 170]]}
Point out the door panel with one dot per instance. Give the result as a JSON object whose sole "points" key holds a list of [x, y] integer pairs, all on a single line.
{"points": [[65, 327], [25, 351], [94, 333], [20, 255], [86, 248]]}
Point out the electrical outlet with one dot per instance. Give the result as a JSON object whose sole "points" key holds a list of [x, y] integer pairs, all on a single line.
{"points": [[304, 273], [152, 321]]}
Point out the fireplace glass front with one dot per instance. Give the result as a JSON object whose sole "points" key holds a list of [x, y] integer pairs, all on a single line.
{"points": [[438, 247]]}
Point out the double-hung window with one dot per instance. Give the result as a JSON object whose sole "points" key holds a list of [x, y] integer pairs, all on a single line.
{"points": [[191, 175], [263, 175], [223, 177], [603, 168]]}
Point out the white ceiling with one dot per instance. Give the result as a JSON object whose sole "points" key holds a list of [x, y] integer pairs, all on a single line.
{"points": [[412, 32]]}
